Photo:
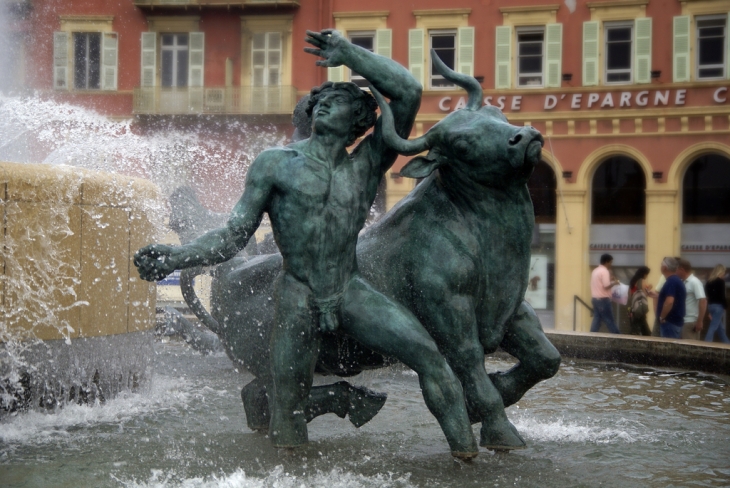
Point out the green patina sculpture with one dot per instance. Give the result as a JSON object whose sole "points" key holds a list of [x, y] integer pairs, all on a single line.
{"points": [[442, 275]]}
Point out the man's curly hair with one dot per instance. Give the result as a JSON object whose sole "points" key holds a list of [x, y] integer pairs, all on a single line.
{"points": [[364, 106]]}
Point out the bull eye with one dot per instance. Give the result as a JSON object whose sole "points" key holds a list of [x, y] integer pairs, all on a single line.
{"points": [[461, 146]]}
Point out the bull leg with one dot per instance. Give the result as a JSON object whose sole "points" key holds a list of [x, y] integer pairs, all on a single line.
{"points": [[342, 399], [539, 360], [453, 324]]}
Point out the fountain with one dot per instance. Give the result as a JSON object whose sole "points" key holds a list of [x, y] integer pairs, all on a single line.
{"points": [[183, 425]]}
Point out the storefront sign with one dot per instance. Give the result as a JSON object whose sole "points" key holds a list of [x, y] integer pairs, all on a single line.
{"points": [[706, 245], [590, 100], [624, 242]]}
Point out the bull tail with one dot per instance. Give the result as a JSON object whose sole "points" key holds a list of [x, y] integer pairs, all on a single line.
{"points": [[191, 298]]}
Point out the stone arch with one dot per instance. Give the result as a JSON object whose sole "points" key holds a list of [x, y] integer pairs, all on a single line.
{"points": [[590, 164], [687, 157]]}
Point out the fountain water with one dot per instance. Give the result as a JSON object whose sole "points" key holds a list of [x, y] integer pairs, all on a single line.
{"points": [[184, 424]]}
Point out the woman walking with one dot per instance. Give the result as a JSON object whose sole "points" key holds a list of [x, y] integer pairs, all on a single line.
{"points": [[639, 302], [716, 304]]}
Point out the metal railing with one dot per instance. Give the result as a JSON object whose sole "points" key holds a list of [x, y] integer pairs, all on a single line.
{"points": [[577, 299], [156, 100]]}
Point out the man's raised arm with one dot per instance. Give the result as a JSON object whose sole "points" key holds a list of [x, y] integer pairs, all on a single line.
{"points": [[156, 261], [389, 78]]}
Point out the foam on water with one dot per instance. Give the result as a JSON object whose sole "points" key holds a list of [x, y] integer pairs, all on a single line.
{"points": [[278, 478], [565, 431]]}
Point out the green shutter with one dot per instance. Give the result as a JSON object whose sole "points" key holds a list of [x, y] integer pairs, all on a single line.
{"points": [[503, 57], [465, 56], [196, 64], [149, 55], [384, 42], [681, 66], [336, 74], [553, 54], [60, 60], [642, 50], [416, 55], [109, 52], [590, 53]]}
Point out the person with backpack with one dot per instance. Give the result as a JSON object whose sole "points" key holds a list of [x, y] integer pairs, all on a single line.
{"points": [[639, 303]]}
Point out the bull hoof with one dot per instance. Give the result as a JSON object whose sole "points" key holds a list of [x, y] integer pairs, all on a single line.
{"points": [[465, 456], [364, 404], [501, 437]]}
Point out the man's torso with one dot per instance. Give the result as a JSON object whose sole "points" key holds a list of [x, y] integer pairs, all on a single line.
{"points": [[695, 292], [675, 288], [599, 278]]}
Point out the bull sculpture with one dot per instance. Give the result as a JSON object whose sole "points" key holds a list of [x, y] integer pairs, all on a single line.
{"points": [[456, 252]]}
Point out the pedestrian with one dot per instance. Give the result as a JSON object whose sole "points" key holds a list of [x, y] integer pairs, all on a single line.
{"points": [[695, 304], [716, 304], [601, 283], [639, 304], [670, 308]]}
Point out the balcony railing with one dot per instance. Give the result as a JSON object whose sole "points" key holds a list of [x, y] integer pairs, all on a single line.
{"points": [[157, 100], [212, 3]]}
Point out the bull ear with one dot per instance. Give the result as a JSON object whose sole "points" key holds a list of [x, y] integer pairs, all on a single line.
{"points": [[421, 166]]}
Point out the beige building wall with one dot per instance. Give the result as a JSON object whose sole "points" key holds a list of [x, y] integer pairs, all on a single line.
{"points": [[68, 240]]}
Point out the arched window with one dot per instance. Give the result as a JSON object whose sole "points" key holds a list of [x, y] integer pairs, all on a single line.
{"points": [[618, 192], [542, 186], [706, 190]]}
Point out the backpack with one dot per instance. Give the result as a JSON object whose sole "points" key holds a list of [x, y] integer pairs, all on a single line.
{"points": [[639, 304]]}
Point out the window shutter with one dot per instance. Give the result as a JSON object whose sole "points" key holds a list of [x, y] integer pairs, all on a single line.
{"points": [[336, 74], [465, 64], [553, 54], [384, 42], [60, 60], [642, 50], [416, 53], [149, 55], [503, 68], [196, 64], [109, 52], [680, 67], [590, 53]]}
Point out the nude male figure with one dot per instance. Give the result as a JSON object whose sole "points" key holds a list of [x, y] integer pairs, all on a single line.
{"points": [[318, 197]]}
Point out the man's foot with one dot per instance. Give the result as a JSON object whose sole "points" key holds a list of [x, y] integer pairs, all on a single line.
{"points": [[501, 436], [363, 404]]}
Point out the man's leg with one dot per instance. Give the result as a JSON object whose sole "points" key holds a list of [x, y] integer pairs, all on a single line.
{"points": [[596, 322], [390, 329], [294, 349], [671, 331], [610, 323]]}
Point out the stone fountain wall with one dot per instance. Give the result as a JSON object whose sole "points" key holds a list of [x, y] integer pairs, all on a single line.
{"points": [[67, 239]]}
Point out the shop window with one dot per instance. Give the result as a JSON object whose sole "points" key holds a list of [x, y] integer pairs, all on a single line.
{"points": [[542, 186], [618, 192], [706, 190], [365, 40], [618, 52], [174, 54], [530, 53], [711, 45]]}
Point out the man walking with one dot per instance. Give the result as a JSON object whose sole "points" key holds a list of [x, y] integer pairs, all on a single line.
{"points": [[671, 305], [696, 303], [318, 196], [601, 283]]}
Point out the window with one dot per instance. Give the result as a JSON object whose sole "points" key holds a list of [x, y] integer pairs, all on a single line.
{"points": [[530, 53], [87, 60], [618, 192], [266, 58], [711, 44], [444, 43], [366, 40], [706, 190], [174, 54], [619, 39]]}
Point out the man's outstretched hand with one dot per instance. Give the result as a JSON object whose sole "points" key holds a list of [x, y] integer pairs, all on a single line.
{"points": [[154, 262], [330, 45]]}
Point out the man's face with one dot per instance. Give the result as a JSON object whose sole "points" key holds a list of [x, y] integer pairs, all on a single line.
{"points": [[608, 264], [333, 112], [682, 273]]}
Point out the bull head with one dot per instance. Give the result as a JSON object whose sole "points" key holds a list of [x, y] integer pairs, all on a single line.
{"points": [[477, 140]]}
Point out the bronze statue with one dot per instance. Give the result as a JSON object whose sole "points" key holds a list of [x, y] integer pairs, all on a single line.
{"points": [[318, 197]]}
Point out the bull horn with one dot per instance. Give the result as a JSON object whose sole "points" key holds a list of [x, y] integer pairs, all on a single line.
{"points": [[391, 137], [468, 83]]}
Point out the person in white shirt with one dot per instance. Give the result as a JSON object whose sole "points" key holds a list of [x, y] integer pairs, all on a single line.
{"points": [[695, 304]]}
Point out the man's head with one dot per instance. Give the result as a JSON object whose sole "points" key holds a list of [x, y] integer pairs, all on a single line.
{"points": [[684, 268], [669, 266], [606, 260], [361, 103]]}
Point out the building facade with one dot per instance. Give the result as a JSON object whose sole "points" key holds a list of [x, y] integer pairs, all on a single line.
{"points": [[632, 97]]}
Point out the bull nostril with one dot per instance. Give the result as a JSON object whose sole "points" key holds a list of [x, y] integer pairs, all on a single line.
{"points": [[515, 140]]}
